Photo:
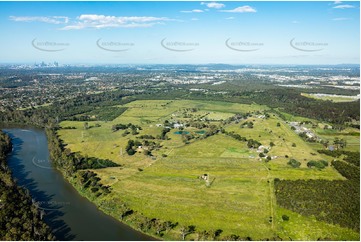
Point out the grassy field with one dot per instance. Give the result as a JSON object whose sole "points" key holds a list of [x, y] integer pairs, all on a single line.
{"points": [[238, 198]]}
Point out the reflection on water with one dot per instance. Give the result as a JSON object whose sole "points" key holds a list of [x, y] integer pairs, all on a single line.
{"points": [[71, 216]]}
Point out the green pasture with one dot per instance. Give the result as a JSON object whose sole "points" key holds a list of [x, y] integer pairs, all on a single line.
{"points": [[238, 198]]}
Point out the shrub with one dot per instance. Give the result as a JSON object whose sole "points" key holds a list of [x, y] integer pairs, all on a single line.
{"points": [[294, 163], [318, 164], [131, 152]]}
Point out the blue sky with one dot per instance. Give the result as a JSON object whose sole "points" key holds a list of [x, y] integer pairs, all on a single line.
{"points": [[180, 32]]}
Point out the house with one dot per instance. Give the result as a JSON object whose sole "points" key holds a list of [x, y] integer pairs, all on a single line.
{"points": [[204, 177], [310, 134], [177, 126], [261, 148]]}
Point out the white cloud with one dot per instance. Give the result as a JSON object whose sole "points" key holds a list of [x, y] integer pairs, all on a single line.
{"points": [[214, 5], [192, 11], [295, 22], [96, 21], [194, 19], [344, 6], [49, 20], [243, 9], [102, 21], [337, 2], [102, 26], [229, 18], [117, 20], [340, 19]]}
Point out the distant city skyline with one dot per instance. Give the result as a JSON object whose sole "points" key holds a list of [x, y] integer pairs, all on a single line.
{"points": [[181, 32]]}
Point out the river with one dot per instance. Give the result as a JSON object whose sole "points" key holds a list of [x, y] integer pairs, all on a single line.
{"points": [[70, 216]]}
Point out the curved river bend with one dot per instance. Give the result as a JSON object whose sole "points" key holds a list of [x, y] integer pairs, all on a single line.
{"points": [[71, 216]]}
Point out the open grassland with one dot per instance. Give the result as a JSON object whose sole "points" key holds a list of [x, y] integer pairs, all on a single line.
{"points": [[287, 145], [299, 227], [238, 196]]}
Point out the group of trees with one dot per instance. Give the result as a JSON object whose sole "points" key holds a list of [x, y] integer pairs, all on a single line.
{"points": [[248, 124], [107, 113], [317, 164], [84, 162], [352, 157], [130, 148], [197, 124], [147, 146], [163, 134], [146, 136], [237, 118], [186, 137], [251, 143], [339, 143], [294, 163], [335, 202], [235, 136], [304, 136], [89, 180], [19, 217], [212, 130], [268, 157], [349, 171], [132, 127]]}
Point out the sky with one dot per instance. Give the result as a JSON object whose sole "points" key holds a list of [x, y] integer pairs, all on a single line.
{"points": [[196, 32]]}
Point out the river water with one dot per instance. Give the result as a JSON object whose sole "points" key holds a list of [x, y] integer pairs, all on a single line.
{"points": [[71, 216]]}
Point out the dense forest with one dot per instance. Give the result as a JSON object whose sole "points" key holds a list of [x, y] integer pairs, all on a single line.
{"points": [[335, 202], [19, 217]]}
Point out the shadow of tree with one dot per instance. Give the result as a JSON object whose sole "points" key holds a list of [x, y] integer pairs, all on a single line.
{"points": [[51, 209]]}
